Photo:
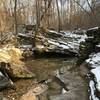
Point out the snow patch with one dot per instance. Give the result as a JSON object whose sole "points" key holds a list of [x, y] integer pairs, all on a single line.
{"points": [[96, 72], [94, 62], [92, 88]]}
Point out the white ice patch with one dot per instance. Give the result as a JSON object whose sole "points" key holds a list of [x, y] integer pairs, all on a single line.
{"points": [[64, 91], [98, 45], [1, 74], [94, 28]]}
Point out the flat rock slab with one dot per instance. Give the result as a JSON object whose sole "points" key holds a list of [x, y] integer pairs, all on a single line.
{"points": [[28, 96], [34, 92], [5, 82]]}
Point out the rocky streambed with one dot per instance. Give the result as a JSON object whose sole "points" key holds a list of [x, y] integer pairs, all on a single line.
{"points": [[56, 75]]}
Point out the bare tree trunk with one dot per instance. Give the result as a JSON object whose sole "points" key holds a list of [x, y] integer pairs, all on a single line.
{"points": [[37, 15], [71, 8], [93, 13], [46, 9], [15, 16], [61, 21], [58, 15]]}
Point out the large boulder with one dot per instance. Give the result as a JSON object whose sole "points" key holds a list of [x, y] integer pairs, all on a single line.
{"points": [[12, 64], [19, 70]]}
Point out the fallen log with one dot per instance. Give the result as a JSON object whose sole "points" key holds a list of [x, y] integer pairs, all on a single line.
{"points": [[63, 42]]}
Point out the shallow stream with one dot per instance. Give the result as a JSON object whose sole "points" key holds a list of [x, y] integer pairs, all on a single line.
{"points": [[64, 83]]}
